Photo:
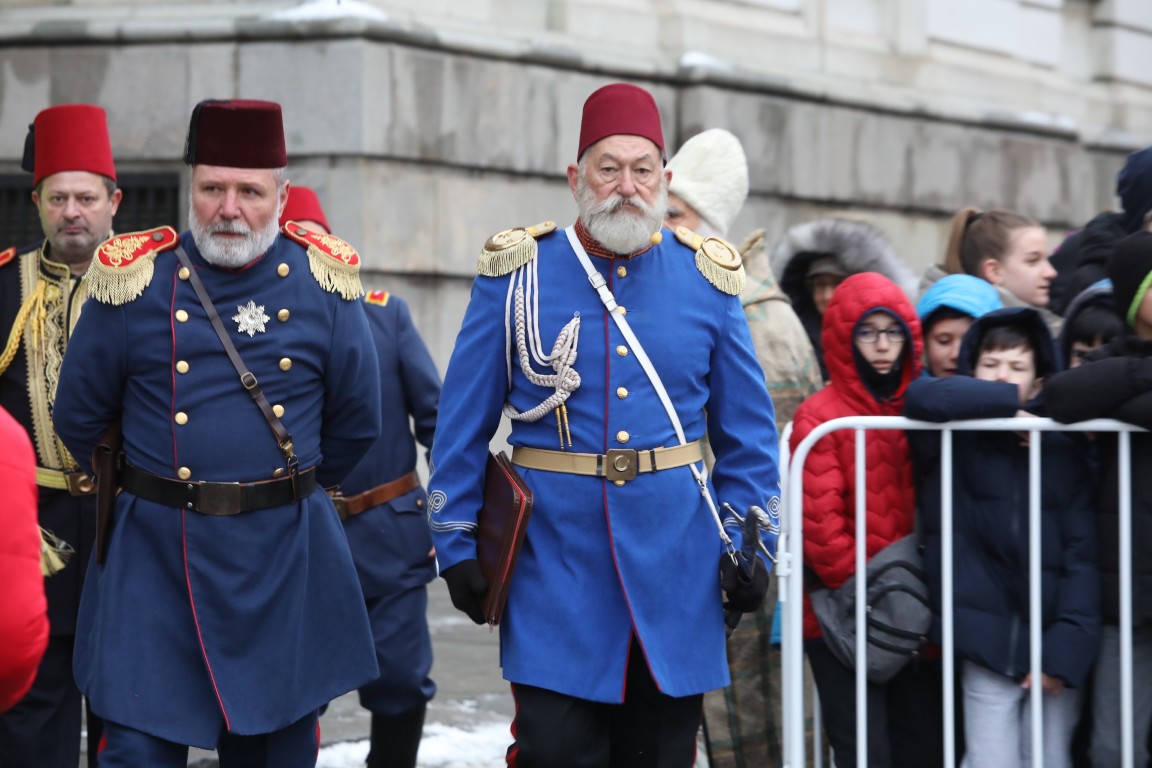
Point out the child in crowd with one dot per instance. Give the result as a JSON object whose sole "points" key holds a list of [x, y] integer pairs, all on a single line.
{"points": [[1004, 358], [1115, 381], [1090, 322], [1007, 249], [946, 310], [871, 337]]}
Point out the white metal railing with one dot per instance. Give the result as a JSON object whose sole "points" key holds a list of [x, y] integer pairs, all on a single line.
{"points": [[789, 570]]}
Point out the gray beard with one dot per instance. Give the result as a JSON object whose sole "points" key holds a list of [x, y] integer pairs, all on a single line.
{"points": [[618, 230], [231, 253]]}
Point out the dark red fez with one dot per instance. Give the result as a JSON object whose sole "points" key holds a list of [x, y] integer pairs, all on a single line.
{"points": [[236, 134], [303, 205], [69, 137], [620, 108]]}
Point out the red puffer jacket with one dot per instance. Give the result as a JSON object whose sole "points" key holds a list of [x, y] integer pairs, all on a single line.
{"points": [[23, 609], [829, 472]]}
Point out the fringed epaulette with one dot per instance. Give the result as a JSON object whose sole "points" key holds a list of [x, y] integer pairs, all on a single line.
{"points": [[511, 249], [7, 255], [334, 263], [122, 266], [378, 297], [717, 259]]}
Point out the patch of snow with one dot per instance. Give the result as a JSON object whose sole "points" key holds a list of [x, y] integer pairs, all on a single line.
{"points": [[690, 59], [443, 746], [325, 10]]}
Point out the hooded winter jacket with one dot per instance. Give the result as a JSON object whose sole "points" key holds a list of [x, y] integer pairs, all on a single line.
{"points": [[990, 519], [829, 472], [856, 247], [1115, 382]]}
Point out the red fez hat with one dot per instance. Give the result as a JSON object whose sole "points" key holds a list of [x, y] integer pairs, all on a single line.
{"points": [[620, 108], [69, 137], [236, 134], [303, 205]]}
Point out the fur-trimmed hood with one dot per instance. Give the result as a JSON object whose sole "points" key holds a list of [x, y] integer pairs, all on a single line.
{"points": [[856, 246]]}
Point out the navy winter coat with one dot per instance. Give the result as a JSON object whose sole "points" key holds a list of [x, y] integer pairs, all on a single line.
{"points": [[990, 520]]}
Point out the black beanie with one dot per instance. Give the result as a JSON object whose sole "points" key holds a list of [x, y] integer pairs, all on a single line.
{"points": [[1130, 270]]}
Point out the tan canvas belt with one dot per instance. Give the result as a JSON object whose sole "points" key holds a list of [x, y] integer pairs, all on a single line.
{"points": [[618, 465], [76, 483], [349, 506]]}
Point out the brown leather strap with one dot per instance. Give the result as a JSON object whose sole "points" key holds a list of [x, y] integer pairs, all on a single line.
{"points": [[350, 506], [247, 378], [217, 498]]}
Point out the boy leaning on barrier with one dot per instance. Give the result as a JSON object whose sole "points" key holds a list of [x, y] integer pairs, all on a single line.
{"points": [[1003, 360], [1115, 382]]}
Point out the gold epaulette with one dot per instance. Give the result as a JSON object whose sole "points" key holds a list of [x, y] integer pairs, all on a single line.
{"points": [[378, 297], [511, 249], [7, 255], [334, 263], [122, 265], [717, 259]]}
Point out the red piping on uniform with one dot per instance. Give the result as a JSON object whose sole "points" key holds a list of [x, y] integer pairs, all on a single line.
{"points": [[196, 620], [172, 373]]}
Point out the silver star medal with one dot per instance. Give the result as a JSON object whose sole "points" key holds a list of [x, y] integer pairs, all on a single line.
{"points": [[250, 318]]}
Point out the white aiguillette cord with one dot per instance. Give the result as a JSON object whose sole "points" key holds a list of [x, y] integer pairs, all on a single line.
{"points": [[601, 286]]}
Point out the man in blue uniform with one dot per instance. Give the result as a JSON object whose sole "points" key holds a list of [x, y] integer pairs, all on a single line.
{"points": [[42, 289], [614, 623], [382, 505], [226, 610]]}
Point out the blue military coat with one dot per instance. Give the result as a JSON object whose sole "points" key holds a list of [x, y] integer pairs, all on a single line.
{"points": [[246, 622], [390, 542], [602, 561]]}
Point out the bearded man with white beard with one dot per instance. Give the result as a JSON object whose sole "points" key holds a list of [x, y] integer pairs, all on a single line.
{"points": [[223, 609], [614, 624]]}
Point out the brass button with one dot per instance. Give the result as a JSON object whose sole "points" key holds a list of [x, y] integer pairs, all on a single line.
{"points": [[419, 503], [181, 418], [301, 232], [278, 410], [85, 484], [618, 482], [181, 316], [182, 366], [183, 274], [621, 392], [282, 270], [622, 436], [183, 473], [285, 363], [622, 271], [622, 310], [283, 315], [622, 351], [279, 471], [157, 236]]}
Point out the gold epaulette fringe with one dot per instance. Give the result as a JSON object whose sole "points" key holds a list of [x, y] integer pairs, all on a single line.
{"points": [[122, 266], [511, 249], [335, 275], [717, 259]]}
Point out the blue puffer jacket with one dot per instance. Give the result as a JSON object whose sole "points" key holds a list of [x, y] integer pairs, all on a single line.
{"points": [[990, 520]]}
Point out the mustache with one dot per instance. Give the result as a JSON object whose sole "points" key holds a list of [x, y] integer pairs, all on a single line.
{"points": [[616, 202], [228, 228]]}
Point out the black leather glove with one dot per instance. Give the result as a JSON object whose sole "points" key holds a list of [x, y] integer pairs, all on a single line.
{"points": [[467, 587], [745, 592]]}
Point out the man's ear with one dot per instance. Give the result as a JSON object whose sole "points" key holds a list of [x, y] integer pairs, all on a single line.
{"points": [[573, 176], [992, 271], [1037, 388]]}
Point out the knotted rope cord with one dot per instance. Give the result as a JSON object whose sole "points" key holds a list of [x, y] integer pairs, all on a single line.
{"points": [[33, 304]]}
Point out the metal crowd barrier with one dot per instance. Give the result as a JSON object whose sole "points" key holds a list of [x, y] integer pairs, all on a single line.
{"points": [[789, 570]]}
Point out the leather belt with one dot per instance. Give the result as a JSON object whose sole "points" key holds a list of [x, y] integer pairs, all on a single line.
{"points": [[218, 498], [618, 465], [76, 483], [350, 506]]}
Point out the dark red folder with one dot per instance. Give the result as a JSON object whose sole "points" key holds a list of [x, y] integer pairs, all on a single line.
{"points": [[500, 530]]}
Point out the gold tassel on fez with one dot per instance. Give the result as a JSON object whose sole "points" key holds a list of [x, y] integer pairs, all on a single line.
{"points": [[54, 552]]}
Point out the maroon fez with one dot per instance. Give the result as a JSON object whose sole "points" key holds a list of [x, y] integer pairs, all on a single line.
{"points": [[303, 205], [236, 134], [620, 108], [69, 137]]}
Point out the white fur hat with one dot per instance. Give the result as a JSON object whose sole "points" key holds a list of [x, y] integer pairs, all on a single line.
{"points": [[710, 173]]}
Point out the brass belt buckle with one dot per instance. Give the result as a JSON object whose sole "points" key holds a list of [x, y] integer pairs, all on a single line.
{"points": [[79, 484], [340, 501], [620, 465], [219, 498]]}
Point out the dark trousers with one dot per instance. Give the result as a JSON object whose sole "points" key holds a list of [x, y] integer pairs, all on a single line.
{"points": [[905, 715], [649, 730], [43, 729], [295, 746]]}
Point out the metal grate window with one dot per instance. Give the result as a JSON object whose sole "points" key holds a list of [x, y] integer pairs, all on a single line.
{"points": [[150, 200]]}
